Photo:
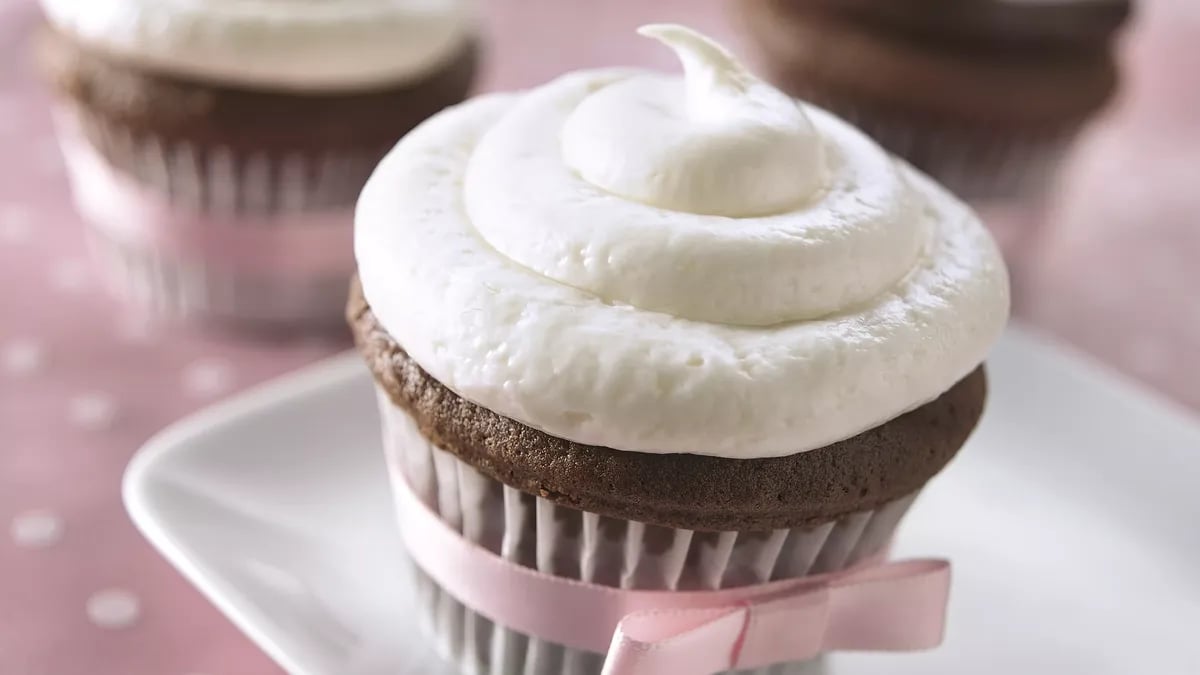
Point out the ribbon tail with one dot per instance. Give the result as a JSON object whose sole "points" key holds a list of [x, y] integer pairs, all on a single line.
{"points": [[687, 642], [895, 607]]}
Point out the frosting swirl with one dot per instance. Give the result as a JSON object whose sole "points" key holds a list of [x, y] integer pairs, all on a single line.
{"points": [[658, 264], [727, 145], [286, 44]]}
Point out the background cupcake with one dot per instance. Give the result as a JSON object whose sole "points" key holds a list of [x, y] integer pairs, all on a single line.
{"points": [[664, 334], [217, 148], [981, 94]]}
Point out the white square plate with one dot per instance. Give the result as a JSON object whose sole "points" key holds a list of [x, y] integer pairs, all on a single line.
{"points": [[1072, 518]]}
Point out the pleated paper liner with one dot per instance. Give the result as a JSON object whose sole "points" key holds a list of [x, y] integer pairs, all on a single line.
{"points": [[225, 179], [540, 534], [977, 164], [275, 200], [209, 292]]}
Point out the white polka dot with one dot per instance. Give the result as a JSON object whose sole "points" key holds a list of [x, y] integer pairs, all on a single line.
{"points": [[113, 608], [70, 276], [207, 377], [16, 222], [21, 357], [36, 529], [92, 411]]}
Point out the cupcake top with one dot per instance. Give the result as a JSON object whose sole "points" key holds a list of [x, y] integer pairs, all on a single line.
{"points": [[318, 45], [675, 265]]}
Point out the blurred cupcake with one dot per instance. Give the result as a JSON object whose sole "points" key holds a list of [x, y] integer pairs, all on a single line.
{"points": [[217, 148], [982, 94], [649, 332]]}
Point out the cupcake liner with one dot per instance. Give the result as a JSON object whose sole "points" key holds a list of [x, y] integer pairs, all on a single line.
{"points": [[181, 289], [239, 260], [538, 533], [977, 164], [225, 179]]}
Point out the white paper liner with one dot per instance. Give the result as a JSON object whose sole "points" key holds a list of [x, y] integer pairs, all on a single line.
{"points": [[220, 179], [975, 167], [214, 181], [537, 533], [207, 291]]}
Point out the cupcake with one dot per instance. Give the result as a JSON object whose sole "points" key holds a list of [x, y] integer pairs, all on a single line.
{"points": [[632, 332], [981, 94], [216, 149]]}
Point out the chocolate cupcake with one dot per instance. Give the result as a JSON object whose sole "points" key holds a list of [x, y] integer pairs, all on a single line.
{"points": [[984, 95], [652, 332], [217, 149]]}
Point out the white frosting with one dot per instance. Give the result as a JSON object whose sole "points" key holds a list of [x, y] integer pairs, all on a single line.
{"points": [[288, 44], [721, 142], [584, 258]]}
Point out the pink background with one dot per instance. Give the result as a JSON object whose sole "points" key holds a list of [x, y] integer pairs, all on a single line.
{"points": [[83, 382]]}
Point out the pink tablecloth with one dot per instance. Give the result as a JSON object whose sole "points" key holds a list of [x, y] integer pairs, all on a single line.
{"points": [[83, 383]]}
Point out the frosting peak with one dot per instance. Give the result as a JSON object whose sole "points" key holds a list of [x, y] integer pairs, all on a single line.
{"points": [[722, 142]]}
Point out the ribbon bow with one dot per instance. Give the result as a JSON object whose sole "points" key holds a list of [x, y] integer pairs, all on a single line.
{"points": [[897, 606], [891, 607]]}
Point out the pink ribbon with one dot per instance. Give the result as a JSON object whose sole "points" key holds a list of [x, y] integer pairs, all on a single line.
{"points": [[305, 244], [899, 606]]}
